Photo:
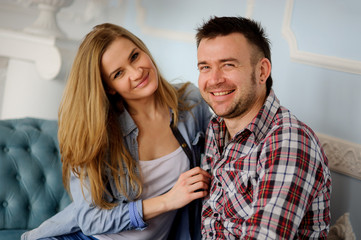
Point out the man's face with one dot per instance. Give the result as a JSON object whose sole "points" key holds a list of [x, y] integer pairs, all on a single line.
{"points": [[228, 81]]}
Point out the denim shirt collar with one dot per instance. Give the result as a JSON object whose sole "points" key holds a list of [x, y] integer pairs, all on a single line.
{"points": [[127, 123]]}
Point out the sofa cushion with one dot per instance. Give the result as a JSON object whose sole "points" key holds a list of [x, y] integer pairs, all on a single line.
{"points": [[11, 234], [31, 188]]}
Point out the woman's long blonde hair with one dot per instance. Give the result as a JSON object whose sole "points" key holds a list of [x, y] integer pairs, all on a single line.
{"points": [[89, 134]]}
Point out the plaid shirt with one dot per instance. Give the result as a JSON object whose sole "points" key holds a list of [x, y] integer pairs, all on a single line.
{"points": [[271, 181]]}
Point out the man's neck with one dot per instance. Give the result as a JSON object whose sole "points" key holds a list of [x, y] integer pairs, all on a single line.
{"points": [[236, 124]]}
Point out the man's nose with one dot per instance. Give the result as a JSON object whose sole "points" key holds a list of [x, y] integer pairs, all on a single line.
{"points": [[216, 76]]}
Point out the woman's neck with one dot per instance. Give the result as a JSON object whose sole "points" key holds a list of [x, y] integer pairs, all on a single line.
{"points": [[147, 110]]}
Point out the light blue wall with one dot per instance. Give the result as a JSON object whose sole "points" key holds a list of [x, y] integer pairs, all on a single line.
{"points": [[324, 90]]}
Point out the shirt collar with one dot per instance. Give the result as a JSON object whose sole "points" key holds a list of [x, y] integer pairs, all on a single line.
{"points": [[263, 121], [127, 123]]}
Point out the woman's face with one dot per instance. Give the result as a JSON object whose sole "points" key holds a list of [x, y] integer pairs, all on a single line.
{"points": [[128, 71]]}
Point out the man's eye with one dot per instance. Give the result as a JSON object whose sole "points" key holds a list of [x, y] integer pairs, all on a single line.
{"points": [[228, 66], [203, 68], [134, 56]]}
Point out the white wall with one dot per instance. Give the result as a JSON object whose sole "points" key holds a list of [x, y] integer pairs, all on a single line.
{"points": [[316, 57]]}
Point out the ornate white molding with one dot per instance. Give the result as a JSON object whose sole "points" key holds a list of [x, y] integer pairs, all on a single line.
{"points": [[46, 52], [250, 7], [46, 23], [343, 156], [342, 229], [319, 60], [170, 34], [3, 71], [176, 35]]}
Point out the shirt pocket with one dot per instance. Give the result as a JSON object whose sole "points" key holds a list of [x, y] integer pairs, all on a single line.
{"points": [[238, 193]]}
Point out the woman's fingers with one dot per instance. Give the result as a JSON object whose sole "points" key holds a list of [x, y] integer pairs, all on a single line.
{"points": [[196, 171], [198, 186], [195, 179], [191, 185]]}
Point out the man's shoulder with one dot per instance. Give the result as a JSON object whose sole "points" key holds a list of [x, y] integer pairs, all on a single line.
{"points": [[288, 125]]}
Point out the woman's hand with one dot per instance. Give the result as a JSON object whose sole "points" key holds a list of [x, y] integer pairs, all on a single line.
{"points": [[190, 185]]}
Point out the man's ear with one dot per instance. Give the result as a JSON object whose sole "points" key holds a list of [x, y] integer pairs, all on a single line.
{"points": [[265, 70]]}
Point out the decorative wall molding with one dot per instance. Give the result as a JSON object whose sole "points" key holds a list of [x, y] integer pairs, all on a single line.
{"points": [[250, 7], [319, 60], [3, 70], [48, 53], [170, 34], [157, 32], [343, 156], [46, 23]]}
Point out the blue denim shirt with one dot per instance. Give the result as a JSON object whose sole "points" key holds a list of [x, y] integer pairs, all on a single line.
{"points": [[82, 215]]}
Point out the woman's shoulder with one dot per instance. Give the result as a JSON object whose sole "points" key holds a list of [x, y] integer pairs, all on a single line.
{"points": [[190, 92]]}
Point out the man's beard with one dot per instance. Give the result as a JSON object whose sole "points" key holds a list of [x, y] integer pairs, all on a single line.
{"points": [[242, 105]]}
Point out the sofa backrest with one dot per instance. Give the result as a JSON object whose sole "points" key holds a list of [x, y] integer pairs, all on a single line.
{"points": [[31, 188]]}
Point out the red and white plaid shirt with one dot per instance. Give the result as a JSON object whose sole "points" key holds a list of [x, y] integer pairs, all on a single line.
{"points": [[271, 181]]}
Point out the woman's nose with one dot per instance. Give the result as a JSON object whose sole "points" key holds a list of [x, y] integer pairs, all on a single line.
{"points": [[135, 73]]}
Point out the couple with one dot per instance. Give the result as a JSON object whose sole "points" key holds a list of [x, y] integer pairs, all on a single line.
{"points": [[131, 145]]}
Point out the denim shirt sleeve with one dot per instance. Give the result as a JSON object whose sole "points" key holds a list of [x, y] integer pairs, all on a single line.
{"points": [[93, 220], [136, 214]]}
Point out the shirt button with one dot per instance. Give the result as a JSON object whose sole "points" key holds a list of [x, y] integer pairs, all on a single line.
{"points": [[211, 234], [219, 184], [215, 215]]}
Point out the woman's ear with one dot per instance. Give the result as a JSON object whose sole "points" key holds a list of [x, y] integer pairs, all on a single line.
{"points": [[265, 70], [109, 90]]}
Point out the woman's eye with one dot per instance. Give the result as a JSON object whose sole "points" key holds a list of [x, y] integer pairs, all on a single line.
{"points": [[117, 74], [134, 56]]}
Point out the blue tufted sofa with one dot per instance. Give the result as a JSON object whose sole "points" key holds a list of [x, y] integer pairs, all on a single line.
{"points": [[31, 188]]}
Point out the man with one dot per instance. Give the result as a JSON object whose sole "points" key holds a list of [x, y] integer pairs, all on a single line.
{"points": [[270, 176]]}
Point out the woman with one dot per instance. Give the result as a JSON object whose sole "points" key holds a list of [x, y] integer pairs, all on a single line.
{"points": [[121, 125]]}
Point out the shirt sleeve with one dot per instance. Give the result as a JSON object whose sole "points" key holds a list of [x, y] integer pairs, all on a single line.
{"points": [[291, 192], [93, 220]]}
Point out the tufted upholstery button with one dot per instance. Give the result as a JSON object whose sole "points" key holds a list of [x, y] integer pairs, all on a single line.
{"points": [[4, 204], [18, 177], [5, 149], [28, 149]]}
